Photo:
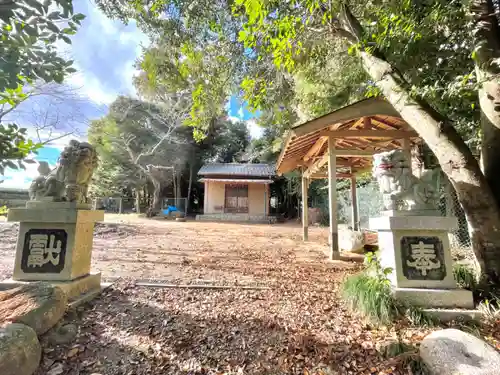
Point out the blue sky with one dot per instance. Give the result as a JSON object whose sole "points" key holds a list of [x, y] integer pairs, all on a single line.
{"points": [[104, 54]]}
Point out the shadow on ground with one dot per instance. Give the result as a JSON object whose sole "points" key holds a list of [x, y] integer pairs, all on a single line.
{"points": [[167, 331]]}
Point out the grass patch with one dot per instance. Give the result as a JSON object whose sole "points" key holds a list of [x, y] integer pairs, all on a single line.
{"points": [[373, 298], [465, 276], [490, 309]]}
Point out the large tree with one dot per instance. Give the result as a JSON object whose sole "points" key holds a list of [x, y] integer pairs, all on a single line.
{"points": [[486, 54], [145, 139]]}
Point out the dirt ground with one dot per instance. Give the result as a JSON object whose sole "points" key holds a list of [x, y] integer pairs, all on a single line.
{"points": [[193, 252], [294, 322]]}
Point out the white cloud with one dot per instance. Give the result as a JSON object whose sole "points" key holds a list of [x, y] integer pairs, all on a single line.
{"points": [[18, 178], [97, 32], [255, 130], [88, 85]]}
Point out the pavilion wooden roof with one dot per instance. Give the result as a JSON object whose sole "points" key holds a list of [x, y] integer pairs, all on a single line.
{"points": [[360, 130]]}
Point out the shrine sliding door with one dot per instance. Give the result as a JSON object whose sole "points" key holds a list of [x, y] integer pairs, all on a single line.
{"points": [[236, 199]]}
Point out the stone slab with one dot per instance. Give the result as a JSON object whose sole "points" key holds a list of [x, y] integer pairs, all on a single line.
{"points": [[57, 205], [459, 315], [428, 223], [238, 218], [50, 214], [78, 287], [410, 213], [84, 298], [74, 289], [436, 298]]}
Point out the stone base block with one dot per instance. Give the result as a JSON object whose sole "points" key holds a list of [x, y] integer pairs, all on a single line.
{"points": [[417, 250], [75, 289], [238, 218], [436, 298], [53, 243]]}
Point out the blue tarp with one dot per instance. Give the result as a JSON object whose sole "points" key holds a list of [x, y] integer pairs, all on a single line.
{"points": [[169, 210]]}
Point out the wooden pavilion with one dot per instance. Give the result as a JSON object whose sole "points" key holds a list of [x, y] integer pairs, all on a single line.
{"points": [[339, 145]]}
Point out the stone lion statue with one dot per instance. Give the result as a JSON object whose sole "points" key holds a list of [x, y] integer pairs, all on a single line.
{"points": [[400, 189], [70, 179]]}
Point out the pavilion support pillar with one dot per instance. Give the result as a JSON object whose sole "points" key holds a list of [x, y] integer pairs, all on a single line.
{"points": [[305, 208], [406, 145], [354, 200], [205, 201], [332, 199]]}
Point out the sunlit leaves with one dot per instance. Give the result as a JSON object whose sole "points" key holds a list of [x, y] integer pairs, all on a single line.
{"points": [[14, 147], [28, 33]]}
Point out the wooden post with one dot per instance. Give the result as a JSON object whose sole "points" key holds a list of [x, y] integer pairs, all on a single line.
{"points": [[354, 200], [305, 209], [205, 200], [120, 205], [265, 201], [406, 144], [332, 199]]}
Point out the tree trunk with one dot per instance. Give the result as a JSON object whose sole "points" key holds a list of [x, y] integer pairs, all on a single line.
{"points": [[137, 201], [178, 193], [190, 185], [156, 204], [455, 158], [486, 33]]}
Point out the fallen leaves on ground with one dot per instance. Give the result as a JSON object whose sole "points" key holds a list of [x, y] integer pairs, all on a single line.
{"points": [[289, 330], [297, 326]]}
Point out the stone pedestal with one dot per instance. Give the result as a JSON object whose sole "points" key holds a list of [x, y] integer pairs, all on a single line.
{"points": [[55, 245], [418, 251]]}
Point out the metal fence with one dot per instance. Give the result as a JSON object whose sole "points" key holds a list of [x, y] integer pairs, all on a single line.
{"points": [[460, 241], [117, 205], [370, 205]]}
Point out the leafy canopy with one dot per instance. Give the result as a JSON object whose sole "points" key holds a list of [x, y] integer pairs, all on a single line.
{"points": [[29, 30]]}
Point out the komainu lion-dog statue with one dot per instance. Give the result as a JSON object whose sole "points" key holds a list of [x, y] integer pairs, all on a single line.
{"points": [[69, 180], [400, 189]]}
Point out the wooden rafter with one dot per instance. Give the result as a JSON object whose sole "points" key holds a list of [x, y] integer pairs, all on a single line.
{"points": [[371, 133], [325, 175], [316, 166], [315, 149], [385, 124]]}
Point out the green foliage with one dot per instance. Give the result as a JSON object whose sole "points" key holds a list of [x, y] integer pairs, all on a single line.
{"points": [[371, 297], [370, 294], [28, 33], [29, 30], [465, 276], [136, 134], [228, 141], [490, 309], [14, 147], [4, 210]]}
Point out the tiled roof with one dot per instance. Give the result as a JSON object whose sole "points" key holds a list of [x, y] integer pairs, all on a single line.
{"points": [[236, 169]]}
